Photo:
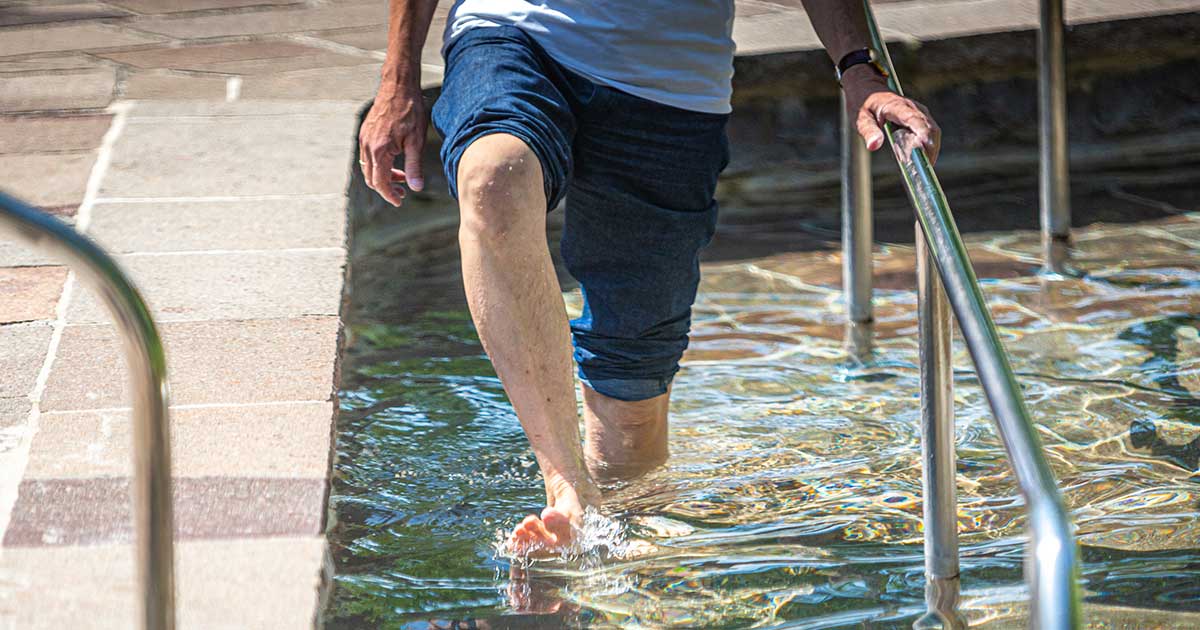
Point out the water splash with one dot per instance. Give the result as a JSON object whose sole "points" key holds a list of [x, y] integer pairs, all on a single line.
{"points": [[598, 538]]}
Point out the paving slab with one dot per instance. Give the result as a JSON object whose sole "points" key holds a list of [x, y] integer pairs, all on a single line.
{"points": [[14, 254], [49, 180], [358, 82], [39, 14], [81, 89], [14, 413], [256, 57], [283, 20], [301, 222], [245, 107], [369, 38], [48, 62], [150, 7], [220, 585], [168, 85], [221, 362], [304, 154], [31, 293], [22, 351], [314, 59], [98, 510], [253, 285], [85, 36], [223, 440], [1104, 10], [45, 133], [374, 38]]}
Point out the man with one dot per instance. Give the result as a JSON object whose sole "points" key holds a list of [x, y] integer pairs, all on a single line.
{"points": [[619, 107]]}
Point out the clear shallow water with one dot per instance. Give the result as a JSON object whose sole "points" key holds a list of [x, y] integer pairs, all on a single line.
{"points": [[792, 495]]}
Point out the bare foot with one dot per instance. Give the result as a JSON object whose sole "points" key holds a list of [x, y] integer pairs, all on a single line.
{"points": [[554, 530]]}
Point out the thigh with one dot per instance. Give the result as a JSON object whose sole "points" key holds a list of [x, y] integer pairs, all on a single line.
{"points": [[498, 81], [639, 210]]}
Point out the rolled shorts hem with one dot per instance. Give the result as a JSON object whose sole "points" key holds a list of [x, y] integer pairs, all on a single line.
{"points": [[628, 389]]}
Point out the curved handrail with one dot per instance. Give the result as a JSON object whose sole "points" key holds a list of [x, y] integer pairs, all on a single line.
{"points": [[1054, 568], [147, 365]]}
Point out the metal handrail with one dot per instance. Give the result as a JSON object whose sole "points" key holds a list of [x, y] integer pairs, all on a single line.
{"points": [[856, 239], [147, 365], [1053, 566], [1054, 183]]}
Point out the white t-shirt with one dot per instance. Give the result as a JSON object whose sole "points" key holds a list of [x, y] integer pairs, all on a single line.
{"points": [[677, 52]]}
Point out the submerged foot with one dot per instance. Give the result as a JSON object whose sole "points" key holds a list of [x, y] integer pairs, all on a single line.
{"points": [[554, 530]]}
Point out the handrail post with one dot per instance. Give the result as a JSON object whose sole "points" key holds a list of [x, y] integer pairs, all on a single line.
{"points": [[937, 448], [1053, 570], [146, 360], [857, 237], [1054, 176]]}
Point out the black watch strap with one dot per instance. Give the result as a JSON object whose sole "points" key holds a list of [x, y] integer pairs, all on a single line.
{"points": [[856, 57]]}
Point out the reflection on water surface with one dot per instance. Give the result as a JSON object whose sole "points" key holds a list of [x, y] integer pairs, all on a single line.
{"points": [[792, 498]]}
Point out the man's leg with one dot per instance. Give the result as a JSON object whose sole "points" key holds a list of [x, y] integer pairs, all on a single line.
{"points": [[517, 307], [625, 439], [639, 210]]}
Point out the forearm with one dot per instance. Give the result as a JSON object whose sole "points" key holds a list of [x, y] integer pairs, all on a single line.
{"points": [[842, 27], [408, 26]]}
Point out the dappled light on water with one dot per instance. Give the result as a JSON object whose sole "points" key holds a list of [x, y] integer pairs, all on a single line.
{"points": [[792, 496]]}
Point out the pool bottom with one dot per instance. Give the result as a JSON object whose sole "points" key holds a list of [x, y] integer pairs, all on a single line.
{"points": [[792, 496]]}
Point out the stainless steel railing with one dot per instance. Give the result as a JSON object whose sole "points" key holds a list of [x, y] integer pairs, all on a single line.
{"points": [[857, 239], [1052, 568], [1053, 181], [147, 365]]}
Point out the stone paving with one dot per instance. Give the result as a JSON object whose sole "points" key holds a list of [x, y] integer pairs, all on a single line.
{"points": [[209, 144]]}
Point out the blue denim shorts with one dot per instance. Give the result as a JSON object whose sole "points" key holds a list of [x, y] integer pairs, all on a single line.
{"points": [[638, 178]]}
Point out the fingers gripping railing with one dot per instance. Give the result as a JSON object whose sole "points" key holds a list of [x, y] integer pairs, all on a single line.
{"points": [[147, 364], [1052, 567]]}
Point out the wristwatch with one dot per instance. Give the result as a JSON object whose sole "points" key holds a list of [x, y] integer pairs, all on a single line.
{"points": [[855, 57]]}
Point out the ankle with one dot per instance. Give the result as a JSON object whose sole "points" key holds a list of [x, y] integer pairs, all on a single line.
{"points": [[577, 490]]}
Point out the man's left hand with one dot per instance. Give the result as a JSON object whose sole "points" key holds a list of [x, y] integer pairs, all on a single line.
{"points": [[867, 94]]}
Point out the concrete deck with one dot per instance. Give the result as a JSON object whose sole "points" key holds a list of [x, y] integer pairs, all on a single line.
{"points": [[208, 143]]}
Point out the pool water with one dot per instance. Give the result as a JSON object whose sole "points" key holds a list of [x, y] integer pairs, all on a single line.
{"points": [[792, 496]]}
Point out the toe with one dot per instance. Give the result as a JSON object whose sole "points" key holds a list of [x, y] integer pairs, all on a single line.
{"points": [[539, 531], [557, 523]]}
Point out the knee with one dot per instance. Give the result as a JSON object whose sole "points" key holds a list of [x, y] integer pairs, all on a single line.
{"points": [[500, 187]]}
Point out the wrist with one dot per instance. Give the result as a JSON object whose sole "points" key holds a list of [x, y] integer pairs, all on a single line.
{"points": [[400, 79], [861, 81], [864, 77]]}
